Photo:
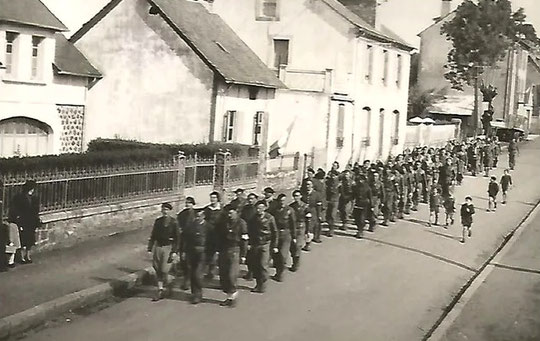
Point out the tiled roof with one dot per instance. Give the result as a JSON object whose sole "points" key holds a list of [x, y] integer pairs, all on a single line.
{"points": [[364, 25], [436, 21], [217, 43], [70, 61], [29, 12]]}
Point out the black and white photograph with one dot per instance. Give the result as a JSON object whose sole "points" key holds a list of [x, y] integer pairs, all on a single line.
{"points": [[264, 170]]}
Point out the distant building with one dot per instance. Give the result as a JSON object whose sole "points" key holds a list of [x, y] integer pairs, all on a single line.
{"points": [[174, 72], [43, 83], [512, 77], [347, 77]]}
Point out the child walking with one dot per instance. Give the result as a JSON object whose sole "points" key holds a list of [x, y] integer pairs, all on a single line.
{"points": [[467, 212], [506, 183], [450, 209], [434, 205], [493, 190]]}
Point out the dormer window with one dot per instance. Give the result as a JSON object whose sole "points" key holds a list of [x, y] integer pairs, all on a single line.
{"points": [[10, 57], [36, 56], [267, 10]]}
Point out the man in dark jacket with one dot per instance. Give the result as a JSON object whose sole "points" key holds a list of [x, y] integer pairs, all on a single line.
{"points": [[164, 243], [286, 226], [302, 216], [345, 198], [332, 197], [185, 218], [493, 190], [232, 236], [192, 245], [377, 192], [24, 212], [315, 204], [213, 214], [239, 201], [263, 239], [249, 212], [362, 206]]}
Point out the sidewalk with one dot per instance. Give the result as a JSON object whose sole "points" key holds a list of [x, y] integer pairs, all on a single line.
{"points": [[61, 272]]}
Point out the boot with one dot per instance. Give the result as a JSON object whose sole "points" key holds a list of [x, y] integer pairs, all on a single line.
{"points": [[295, 264]]}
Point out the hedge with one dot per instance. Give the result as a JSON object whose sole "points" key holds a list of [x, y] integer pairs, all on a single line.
{"points": [[202, 149], [103, 152]]}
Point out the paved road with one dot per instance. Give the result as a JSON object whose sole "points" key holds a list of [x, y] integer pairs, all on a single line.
{"points": [[393, 285], [506, 306]]}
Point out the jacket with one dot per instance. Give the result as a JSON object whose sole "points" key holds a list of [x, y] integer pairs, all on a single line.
{"points": [[285, 220], [193, 236], [263, 231], [493, 189], [232, 234], [467, 212], [164, 233]]}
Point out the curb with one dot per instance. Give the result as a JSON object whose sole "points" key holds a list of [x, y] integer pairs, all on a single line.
{"points": [[20, 322]]}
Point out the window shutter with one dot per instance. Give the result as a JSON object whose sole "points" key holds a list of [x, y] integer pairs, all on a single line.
{"points": [[225, 127], [238, 127]]}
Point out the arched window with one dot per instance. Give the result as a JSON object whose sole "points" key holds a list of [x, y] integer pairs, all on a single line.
{"points": [[21, 136], [395, 138], [381, 132], [366, 112]]}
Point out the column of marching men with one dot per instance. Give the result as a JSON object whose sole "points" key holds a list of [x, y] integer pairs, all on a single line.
{"points": [[270, 229]]}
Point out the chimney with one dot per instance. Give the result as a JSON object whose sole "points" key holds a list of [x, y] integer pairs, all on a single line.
{"points": [[365, 9], [446, 6]]}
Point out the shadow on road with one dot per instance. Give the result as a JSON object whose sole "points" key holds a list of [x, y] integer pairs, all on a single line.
{"points": [[515, 268]]}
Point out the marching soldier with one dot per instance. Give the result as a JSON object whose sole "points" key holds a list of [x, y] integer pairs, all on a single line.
{"points": [[315, 204], [213, 213], [248, 215], [184, 219], [419, 185], [271, 202], [192, 250], [332, 197], [362, 206], [232, 236], [163, 244], [263, 239], [310, 174], [377, 191], [345, 198], [286, 226], [302, 216]]}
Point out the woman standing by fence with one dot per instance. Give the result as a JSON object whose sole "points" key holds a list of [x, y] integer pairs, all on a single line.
{"points": [[24, 212]]}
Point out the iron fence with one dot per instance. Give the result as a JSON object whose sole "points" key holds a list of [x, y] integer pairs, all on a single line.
{"points": [[285, 162], [70, 189], [200, 171]]}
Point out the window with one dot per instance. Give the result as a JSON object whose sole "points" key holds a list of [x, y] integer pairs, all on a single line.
{"points": [[36, 55], [281, 52], [257, 127], [340, 126], [228, 126], [267, 10], [399, 70], [11, 38], [381, 133], [367, 129], [395, 139], [369, 62], [385, 70]]}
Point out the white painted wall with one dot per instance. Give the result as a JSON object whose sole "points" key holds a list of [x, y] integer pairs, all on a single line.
{"points": [[21, 96]]}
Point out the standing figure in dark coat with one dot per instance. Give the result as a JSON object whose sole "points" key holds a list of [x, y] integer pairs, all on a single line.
{"points": [[286, 229], [332, 197], [345, 198], [213, 214], [363, 204], [24, 212], [184, 219], [248, 215], [467, 212]]}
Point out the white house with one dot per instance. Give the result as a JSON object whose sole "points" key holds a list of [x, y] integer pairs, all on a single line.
{"points": [[173, 73], [347, 79], [43, 83]]}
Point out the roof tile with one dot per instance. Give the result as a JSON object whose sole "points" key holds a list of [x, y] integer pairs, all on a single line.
{"points": [[29, 12]]}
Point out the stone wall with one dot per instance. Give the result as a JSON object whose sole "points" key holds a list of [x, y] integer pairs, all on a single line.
{"points": [[68, 228]]}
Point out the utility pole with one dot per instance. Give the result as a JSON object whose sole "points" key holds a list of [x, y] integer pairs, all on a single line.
{"points": [[476, 109]]}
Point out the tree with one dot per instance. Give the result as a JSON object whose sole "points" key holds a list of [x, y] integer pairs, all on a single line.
{"points": [[420, 102], [481, 34]]}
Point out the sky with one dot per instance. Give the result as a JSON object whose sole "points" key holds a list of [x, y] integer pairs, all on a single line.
{"points": [[407, 18]]}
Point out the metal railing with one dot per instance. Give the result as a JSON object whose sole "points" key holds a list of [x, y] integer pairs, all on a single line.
{"points": [[60, 190], [78, 188]]}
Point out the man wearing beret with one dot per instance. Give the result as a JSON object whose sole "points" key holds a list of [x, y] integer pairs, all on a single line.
{"points": [[214, 214], [232, 236], [192, 250], [263, 238], [271, 202], [315, 204], [163, 243], [248, 215], [286, 225]]}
